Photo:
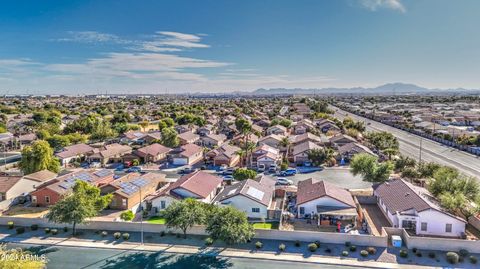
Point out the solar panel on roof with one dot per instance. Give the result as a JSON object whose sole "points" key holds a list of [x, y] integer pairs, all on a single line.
{"points": [[255, 193], [140, 182], [103, 173]]}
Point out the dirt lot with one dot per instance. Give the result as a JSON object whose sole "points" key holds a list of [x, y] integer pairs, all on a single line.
{"points": [[375, 218], [26, 212]]}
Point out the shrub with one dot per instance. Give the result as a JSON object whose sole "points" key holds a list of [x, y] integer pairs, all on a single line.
{"points": [[348, 244], [403, 253], [127, 215], [452, 257], [432, 255], [473, 259], [312, 247], [47, 230], [364, 253], [419, 254], [372, 250], [297, 243], [104, 233], [317, 243], [328, 250], [414, 250], [54, 231], [126, 236], [463, 252], [117, 235], [10, 224], [208, 241], [162, 233], [281, 247], [345, 253], [353, 248], [34, 227], [258, 244], [20, 230], [65, 229]]}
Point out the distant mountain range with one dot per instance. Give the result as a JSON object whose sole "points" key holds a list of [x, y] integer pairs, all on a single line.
{"points": [[387, 89]]}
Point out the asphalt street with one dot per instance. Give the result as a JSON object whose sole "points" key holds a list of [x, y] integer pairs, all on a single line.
{"points": [[96, 258], [431, 151]]}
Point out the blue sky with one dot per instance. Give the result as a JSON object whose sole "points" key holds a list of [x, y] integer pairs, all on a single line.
{"points": [[124, 46]]}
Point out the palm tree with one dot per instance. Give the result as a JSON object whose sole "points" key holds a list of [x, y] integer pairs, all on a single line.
{"points": [[249, 151], [285, 143], [241, 153]]}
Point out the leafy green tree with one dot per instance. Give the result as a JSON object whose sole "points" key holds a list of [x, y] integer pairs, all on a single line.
{"points": [[369, 168], [162, 125], [321, 155], [144, 124], [404, 162], [244, 173], [230, 225], [243, 125], [38, 156], [79, 205], [349, 123], [58, 142], [102, 130], [15, 258], [184, 214], [426, 170], [285, 123], [170, 137]]}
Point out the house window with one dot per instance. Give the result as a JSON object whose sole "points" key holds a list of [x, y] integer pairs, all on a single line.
{"points": [[256, 210], [162, 204], [47, 199], [34, 199], [424, 227], [302, 210], [448, 228], [124, 202]]}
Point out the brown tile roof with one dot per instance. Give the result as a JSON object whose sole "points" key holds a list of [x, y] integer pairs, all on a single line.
{"points": [[6, 183], [308, 191], [399, 195], [189, 150], [74, 150], [305, 146], [188, 136], [153, 149], [129, 185], [41, 176], [250, 188], [200, 183]]}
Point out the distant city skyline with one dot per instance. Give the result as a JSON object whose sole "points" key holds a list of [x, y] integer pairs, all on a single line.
{"points": [[156, 47]]}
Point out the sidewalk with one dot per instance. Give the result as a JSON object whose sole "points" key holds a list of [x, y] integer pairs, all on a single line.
{"points": [[213, 251]]}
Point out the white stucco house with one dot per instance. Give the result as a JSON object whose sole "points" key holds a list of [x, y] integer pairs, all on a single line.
{"points": [[199, 185], [414, 208], [255, 198]]}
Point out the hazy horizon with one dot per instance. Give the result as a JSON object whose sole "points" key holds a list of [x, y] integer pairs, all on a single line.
{"points": [[157, 47]]}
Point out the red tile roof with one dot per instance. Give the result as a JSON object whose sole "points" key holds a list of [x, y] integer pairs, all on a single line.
{"points": [[309, 191], [200, 183]]}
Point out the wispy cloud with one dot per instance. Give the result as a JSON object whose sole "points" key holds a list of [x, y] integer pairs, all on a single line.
{"points": [[375, 5], [91, 37]]}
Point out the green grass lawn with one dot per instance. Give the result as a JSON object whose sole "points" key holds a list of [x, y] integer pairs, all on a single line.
{"points": [[156, 220], [266, 225]]}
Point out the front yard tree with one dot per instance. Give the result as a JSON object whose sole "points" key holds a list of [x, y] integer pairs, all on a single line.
{"points": [[79, 205], [230, 225], [184, 214], [170, 137], [37, 157], [244, 173], [369, 168], [319, 156]]}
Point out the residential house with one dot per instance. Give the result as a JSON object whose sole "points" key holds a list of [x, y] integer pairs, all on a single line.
{"points": [[74, 152], [133, 136], [299, 139], [277, 129], [50, 192], [213, 140], [342, 139], [255, 198], [188, 138], [130, 190], [325, 200], [153, 153], [205, 130], [187, 155], [152, 137], [415, 209], [347, 151], [199, 185], [239, 140], [272, 140], [224, 155], [303, 126], [300, 152], [109, 153]]}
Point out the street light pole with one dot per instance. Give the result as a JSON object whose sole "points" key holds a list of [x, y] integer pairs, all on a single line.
{"points": [[420, 154]]}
